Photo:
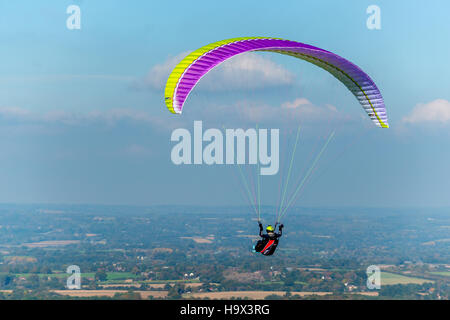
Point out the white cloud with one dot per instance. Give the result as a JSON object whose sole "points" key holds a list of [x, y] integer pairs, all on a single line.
{"points": [[245, 71], [297, 111], [157, 76], [105, 117], [14, 112], [111, 116], [297, 103], [434, 111]]}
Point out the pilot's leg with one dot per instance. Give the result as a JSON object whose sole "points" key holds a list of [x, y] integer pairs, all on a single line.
{"points": [[259, 246]]}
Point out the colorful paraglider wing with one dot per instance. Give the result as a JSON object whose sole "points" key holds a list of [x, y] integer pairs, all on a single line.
{"points": [[192, 68]]}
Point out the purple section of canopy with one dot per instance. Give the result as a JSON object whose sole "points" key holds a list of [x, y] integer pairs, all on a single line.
{"points": [[209, 60], [212, 58]]}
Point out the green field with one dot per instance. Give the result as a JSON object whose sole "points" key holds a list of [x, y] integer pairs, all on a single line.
{"points": [[388, 278], [120, 276], [112, 276], [442, 273], [170, 281]]}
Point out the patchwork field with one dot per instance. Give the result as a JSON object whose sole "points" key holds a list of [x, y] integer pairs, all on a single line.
{"points": [[200, 239], [258, 295], [55, 243], [388, 278], [150, 285], [442, 273], [108, 293], [247, 294]]}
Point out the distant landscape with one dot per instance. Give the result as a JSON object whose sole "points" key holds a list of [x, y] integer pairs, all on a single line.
{"points": [[176, 252]]}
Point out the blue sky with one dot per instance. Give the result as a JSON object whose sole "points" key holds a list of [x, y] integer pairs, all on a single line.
{"points": [[82, 118]]}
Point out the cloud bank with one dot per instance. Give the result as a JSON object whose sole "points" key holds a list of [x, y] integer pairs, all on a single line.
{"points": [[242, 72], [436, 111], [290, 113], [69, 118]]}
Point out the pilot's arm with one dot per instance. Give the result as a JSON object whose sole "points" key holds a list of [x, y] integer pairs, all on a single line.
{"points": [[281, 230]]}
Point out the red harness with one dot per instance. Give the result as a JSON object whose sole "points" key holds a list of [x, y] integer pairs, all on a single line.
{"points": [[268, 245]]}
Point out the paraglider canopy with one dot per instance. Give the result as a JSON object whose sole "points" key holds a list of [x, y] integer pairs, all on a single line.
{"points": [[192, 68]]}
